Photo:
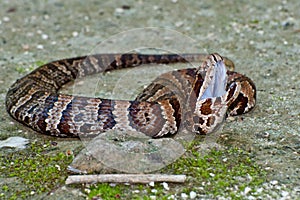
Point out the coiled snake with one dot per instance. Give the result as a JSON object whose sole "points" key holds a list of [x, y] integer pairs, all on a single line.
{"points": [[195, 99]]}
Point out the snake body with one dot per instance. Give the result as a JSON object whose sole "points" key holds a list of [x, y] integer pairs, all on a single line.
{"points": [[178, 99]]}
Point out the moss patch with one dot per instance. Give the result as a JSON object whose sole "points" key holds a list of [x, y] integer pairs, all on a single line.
{"points": [[26, 69], [35, 168], [230, 173]]}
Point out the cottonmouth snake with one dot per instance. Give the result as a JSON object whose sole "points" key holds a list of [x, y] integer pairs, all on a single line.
{"points": [[195, 99]]}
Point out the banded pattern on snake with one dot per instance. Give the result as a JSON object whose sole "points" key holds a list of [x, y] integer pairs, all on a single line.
{"points": [[195, 99]]}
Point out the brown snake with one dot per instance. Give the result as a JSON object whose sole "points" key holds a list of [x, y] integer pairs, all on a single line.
{"points": [[195, 99]]}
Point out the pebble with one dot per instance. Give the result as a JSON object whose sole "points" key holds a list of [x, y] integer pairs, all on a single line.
{"points": [[119, 10], [45, 36], [151, 184], [58, 167], [155, 7], [154, 190], [171, 197], [284, 193], [193, 195], [6, 19], [75, 34], [46, 17], [165, 185], [259, 190], [25, 46], [14, 142], [274, 182], [152, 197], [112, 184], [39, 32], [179, 24], [87, 190], [39, 46], [247, 190], [184, 195]]}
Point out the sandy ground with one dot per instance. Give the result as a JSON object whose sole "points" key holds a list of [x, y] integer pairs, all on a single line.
{"points": [[262, 37]]}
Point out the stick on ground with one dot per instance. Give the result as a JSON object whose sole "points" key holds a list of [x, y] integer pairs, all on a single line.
{"points": [[125, 178]]}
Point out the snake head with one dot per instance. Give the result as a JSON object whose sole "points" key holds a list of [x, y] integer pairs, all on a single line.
{"points": [[211, 105]]}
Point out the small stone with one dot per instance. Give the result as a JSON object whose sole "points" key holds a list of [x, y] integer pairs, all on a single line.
{"points": [[87, 190], [171, 197], [179, 24], [260, 32], [6, 19], [25, 46], [284, 193], [212, 175], [126, 7], [193, 195], [247, 190], [29, 34], [155, 7], [75, 34], [154, 191], [274, 182], [153, 197], [230, 119], [119, 10], [251, 197], [39, 46], [58, 167], [165, 185], [46, 17], [152, 184], [184, 195], [44, 36], [259, 190]]}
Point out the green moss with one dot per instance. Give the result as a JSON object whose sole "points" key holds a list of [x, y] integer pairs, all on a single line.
{"points": [[36, 168], [105, 191], [216, 173], [226, 173], [26, 69]]}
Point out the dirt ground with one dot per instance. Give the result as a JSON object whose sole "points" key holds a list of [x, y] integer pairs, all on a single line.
{"points": [[261, 37]]}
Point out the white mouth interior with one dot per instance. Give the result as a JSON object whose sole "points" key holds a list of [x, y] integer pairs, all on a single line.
{"points": [[217, 85]]}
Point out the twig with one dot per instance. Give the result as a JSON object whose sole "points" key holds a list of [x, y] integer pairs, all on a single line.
{"points": [[125, 178]]}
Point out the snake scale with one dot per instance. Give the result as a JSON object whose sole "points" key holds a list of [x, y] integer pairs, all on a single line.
{"points": [[198, 99]]}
